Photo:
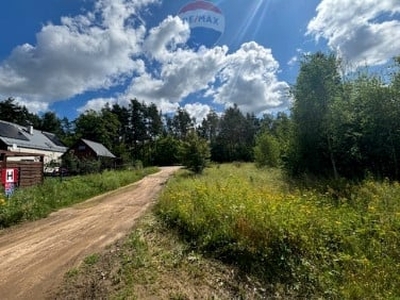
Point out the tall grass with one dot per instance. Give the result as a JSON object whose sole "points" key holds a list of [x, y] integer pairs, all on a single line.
{"points": [[39, 201], [336, 243]]}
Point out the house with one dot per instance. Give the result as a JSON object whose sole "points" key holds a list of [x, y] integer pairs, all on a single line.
{"points": [[17, 138], [90, 150]]}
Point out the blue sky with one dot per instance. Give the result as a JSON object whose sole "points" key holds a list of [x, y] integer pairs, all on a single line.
{"points": [[68, 56]]}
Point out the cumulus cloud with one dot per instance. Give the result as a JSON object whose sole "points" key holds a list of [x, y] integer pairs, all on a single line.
{"points": [[111, 46], [96, 104], [198, 111], [185, 72], [82, 53], [362, 31], [249, 79], [166, 37]]}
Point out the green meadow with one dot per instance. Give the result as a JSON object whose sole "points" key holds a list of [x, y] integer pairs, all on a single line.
{"points": [[330, 239]]}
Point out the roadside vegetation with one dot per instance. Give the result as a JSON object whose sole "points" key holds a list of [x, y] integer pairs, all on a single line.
{"points": [[153, 262], [332, 240], [240, 232], [318, 218], [39, 201]]}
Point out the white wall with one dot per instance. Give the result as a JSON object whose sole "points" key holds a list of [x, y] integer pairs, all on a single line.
{"points": [[48, 155]]}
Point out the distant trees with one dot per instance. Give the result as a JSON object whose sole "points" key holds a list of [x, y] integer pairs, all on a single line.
{"points": [[231, 136], [337, 127]]}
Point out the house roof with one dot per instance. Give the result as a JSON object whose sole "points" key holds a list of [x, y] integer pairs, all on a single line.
{"points": [[99, 149], [13, 134]]}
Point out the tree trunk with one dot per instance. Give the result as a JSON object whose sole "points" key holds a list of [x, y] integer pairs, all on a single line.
{"points": [[335, 173]]}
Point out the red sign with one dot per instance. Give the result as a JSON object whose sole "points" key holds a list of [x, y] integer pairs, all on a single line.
{"points": [[9, 176]]}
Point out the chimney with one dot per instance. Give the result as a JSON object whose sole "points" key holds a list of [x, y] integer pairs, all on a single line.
{"points": [[30, 129]]}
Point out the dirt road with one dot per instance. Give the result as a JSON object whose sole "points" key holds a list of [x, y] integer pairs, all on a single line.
{"points": [[35, 256]]}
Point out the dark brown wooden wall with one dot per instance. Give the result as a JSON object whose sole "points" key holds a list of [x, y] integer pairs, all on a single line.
{"points": [[31, 173]]}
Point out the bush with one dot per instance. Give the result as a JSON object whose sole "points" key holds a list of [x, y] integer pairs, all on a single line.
{"points": [[195, 153], [266, 151], [301, 242]]}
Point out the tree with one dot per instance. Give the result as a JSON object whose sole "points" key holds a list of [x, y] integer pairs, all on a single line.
{"points": [[266, 151], [51, 123], [235, 140], [137, 133], [10, 111], [166, 151], [210, 126], [195, 152], [100, 127], [181, 123], [317, 87]]}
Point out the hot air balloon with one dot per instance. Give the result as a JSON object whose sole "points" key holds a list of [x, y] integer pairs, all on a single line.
{"points": [[206, 22]]}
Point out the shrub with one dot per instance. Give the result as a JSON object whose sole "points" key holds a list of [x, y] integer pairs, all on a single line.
{"points": [[266, 151], [195, 153], [301, 242]]}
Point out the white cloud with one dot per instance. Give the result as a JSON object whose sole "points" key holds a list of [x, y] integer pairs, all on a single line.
{"points": [[198, 111], [249, 79], [166, 37], [111, 46], [182, 72], [82, 53], [361, 31], [96, 104]]}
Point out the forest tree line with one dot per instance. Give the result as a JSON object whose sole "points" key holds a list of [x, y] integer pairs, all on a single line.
{"points": [[338, 126]]}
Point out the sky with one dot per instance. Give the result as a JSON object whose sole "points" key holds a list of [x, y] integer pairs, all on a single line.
{"points": [[69, 56]]}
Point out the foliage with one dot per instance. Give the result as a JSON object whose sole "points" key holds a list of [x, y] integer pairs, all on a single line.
{"points": [[12, 112], [235, 138], [340, 126], [195, 153], [167, 151], [39, 201], [344, 126], [340, 241], [266, 151], [317, 87]]}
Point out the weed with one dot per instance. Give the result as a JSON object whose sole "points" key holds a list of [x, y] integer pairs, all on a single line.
{"points": [[72, 273], [335, 240], [91, 259], [37, 202]]}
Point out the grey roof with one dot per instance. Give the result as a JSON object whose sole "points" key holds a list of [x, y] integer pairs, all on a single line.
{"points": [[99, 149], [12, 134]]}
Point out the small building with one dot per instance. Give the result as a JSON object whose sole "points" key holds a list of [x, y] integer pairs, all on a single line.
{"points": [[85, 149], [21, 139]]}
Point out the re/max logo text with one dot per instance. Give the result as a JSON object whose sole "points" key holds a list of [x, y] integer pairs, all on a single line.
{"points": [[204, 19]]}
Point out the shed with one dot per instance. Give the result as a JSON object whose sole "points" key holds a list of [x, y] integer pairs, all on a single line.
{"points": [[89, 150], [30, 166]]}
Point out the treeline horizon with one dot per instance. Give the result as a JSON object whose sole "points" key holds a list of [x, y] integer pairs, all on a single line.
{"points": [[337, 126]]}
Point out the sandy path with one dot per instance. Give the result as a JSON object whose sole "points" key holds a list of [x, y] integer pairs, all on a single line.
{"points": [[35, 256]]}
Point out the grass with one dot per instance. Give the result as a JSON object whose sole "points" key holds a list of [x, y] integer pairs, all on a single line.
{"points": [[39, 201], [154, 263], [238, 232], [334, 240]]}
